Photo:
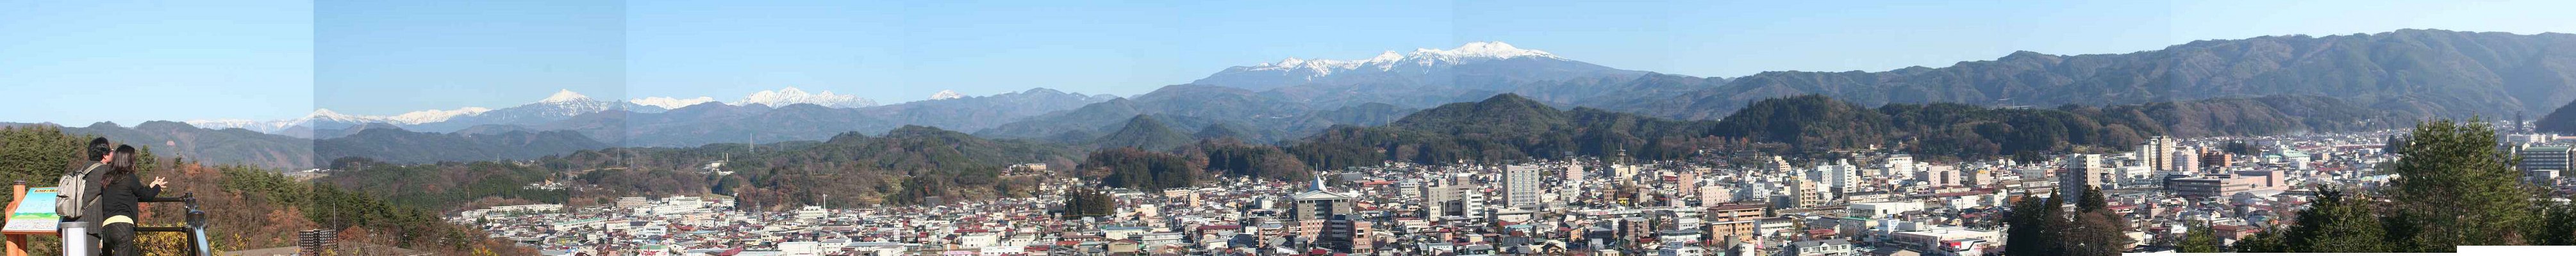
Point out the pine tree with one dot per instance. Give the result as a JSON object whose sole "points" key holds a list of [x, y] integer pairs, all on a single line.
{"points": [[2454, 168]]}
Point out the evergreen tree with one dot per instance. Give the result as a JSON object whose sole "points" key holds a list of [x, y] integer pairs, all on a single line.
{"points": [[2200, 239], [2037, 227], [1087, 202], [2093, 228], [2454, 168], [2404, 233], [2558, 227], [1143, 170], [2265, 242], [2092, 201], [2336, 223], [2022, 236]]}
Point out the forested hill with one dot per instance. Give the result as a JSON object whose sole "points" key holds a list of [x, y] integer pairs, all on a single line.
{"points": [[213, 146], [1509, 128], [2561, 121], [1144, 132], [2451, 73]]}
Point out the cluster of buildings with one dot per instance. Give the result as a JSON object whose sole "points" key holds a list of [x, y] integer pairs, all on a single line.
{"points": [[1866, 202]]}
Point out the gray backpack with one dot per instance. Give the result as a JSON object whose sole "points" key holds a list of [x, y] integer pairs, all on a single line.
{"points": [[74, 197]]}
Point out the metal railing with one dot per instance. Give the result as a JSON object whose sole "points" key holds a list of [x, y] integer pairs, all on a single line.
{"points": [[195, 228]]}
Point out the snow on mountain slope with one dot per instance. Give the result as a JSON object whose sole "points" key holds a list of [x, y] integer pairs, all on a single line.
{"points": [[434, 115], [1417, 67], [946, 94], [671, 103], [563, 96], [791, 95], [1389, 60]]}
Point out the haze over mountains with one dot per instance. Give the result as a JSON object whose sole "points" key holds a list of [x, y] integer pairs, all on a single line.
{"points": [[2407, 73]]}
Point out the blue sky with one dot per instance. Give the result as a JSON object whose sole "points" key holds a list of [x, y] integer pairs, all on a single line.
{"points": [[259, 59]]}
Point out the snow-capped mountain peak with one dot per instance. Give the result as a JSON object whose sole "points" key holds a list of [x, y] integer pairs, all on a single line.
{"points": [[563, 96], [1470, 51], [230, 123], [1388, 56], [1493, 50], [434, 115], [1417, 66], [946, 94], [773, 98], [327, 114], [273, 126], [791, 95], [408, 118]]}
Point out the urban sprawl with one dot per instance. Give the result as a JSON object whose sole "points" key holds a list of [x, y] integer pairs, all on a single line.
{"points": [[1871, 202]]}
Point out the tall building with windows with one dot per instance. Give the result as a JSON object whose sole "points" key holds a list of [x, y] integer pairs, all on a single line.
{"points": [[2185, 161], [1729, 224], [1803, 193], [2544, 158], [1840, 177], [2158, 153], [1347, 234], [2083, 171], [1520, 186], [1319, 204], [1940, 176], [1452, 196]]}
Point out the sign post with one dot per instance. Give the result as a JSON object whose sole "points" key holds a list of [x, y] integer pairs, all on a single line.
{"points": [[33, 219]]}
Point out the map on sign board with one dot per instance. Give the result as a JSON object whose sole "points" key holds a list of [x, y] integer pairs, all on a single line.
{"points": [[35, 213]]}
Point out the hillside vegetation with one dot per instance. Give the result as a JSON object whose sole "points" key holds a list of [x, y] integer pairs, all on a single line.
{"points": [[249, 208]]}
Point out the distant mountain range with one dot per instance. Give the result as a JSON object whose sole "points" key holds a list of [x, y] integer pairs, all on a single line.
{"points": [[2434, 72], [1477, 65], [561, 105], [2417, 72], [2406, 73], [2449, 73], [722, 123], [394, 145]]}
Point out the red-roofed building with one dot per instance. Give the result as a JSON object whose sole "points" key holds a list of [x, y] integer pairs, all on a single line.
{"points": [[2234, 231]]}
